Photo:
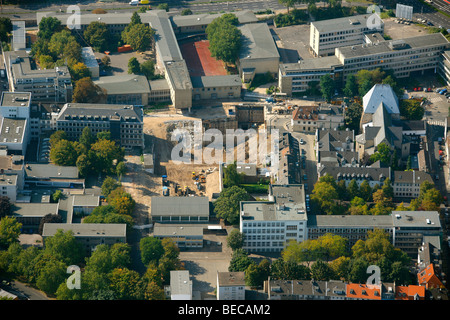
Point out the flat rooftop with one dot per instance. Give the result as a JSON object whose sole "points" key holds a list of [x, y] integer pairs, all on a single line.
{"points": [[244, 16], [341, 24], [87, 229], [216, 81], [180, 206], [257, 42], [124, 84], [322, 63], [368, 221], [12, 130], [416, 219], [34, 209], [15, 99], [429, 40]]}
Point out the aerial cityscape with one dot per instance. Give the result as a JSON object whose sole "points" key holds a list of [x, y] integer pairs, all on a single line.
{"points": [[257, 151]]}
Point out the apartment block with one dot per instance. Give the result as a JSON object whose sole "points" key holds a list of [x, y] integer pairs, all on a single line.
{"points": [[230, 285], [327, 35]]}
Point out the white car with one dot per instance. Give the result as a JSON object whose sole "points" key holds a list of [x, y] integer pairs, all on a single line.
{"points": [[134, 2]]}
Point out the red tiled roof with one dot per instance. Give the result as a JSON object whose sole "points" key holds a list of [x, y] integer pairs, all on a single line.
{"points": [[363, 291]]}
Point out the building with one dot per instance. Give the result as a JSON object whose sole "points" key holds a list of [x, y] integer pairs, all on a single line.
{"points": [[269, 225], [90, 235], [45, 85], [19, 39], [428, 278], [184, 236], [310, 118], [373, 174], [336, 148], [410, 228], [289, 154], [197, 23], [31, 214], [129, 89], [88, 58], [351, 227], [15, 105], [259, 54], [327, 35], [124, 122], [230, 285], [50, 175], [216, 87], [180, 285], [14, 135], [406, 184], [9, 186], [159, 91], [444, 66], [357, 291], [294, 78], [180, 209], [13, 165], [84, 204], [403, 57], [415, 54], [305, 290]]}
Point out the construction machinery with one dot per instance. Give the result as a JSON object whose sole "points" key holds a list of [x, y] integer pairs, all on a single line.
{"points": [[165, 182], [166, 191]]}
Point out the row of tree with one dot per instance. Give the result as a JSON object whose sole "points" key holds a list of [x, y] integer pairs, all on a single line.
{"points": [[325, 258], [91, 154]]}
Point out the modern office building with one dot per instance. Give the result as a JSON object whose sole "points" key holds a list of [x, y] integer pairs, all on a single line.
{"points": [[125, 122], [269, 225], [327, 35]]}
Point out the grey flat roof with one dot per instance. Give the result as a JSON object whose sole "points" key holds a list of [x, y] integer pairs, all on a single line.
{"points": [[412, 177], [87, 229], [216, 81], [124, 84], [429, 40], [35, 170], [13, 130], [180, 206], [159, 84], [416, 219], [15, 99], [77, 110], [18, 33], [19, 62], [231, 279], [34, 209], [169, 230], [85, 200], [180, 282], [257, 42], [10, 179], [244, 16], [368, 221], [341, 24], [270, 211], [324, 63], [178, 74]]}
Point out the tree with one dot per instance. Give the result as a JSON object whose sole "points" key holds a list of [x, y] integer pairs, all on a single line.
{"points": [[87, 164], [46, 62], [57, 136], [64, 46], [107, 214], [340, 267], [98, 36], [121, 201], [106, 61], [321, 271], [235, 239], [108, 185], [411, 109], [163, 6], [49, 26], [63, 153], [107, 152], [65, 247], [351, 86], [353, 189], [151, 250], [148, 69], [87, 92], [327, 86], [231, 177], [186, 12], [5, 28], [240, 261], [382, 154], [121, 169], [286, 270], [87, 138], [227, 204], [106, 258], [5, 206], [51, 275], [353, 116], [139, 37], [9, 231], [365, 191], [134, 66], [78, 71], [224, 38], [126, 284], [57, 195], [324, 195], [104, 135]]}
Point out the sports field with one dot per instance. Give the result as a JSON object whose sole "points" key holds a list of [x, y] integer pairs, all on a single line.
{"points": [[199, 60]]}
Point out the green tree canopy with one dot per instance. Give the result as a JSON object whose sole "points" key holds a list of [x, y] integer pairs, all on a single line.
{"points": [[49, 26], [63, 153], [227, 204], [327, 86], [86, 91], [151, 250]]}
